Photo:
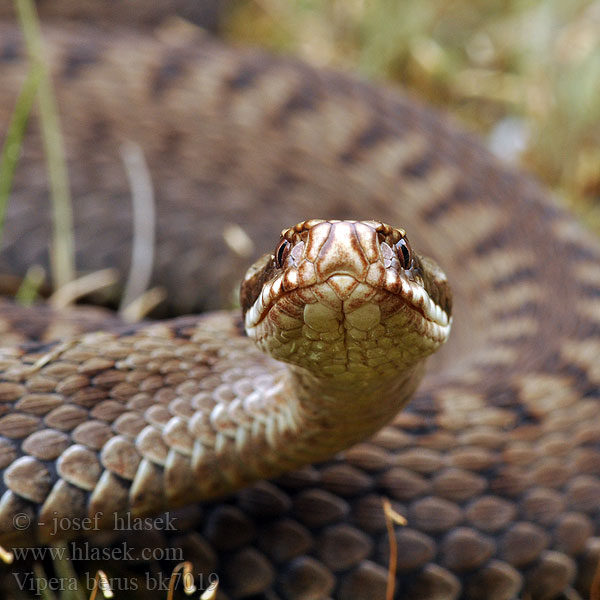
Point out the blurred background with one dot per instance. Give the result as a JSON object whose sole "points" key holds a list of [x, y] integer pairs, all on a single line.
{"points": [[525, 74]]}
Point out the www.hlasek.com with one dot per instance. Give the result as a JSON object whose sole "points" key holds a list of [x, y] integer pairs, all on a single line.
{"points": [[40, 586], [86, 551]]}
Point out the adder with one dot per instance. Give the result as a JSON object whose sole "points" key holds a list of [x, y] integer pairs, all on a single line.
{"points": [[495, 462]]}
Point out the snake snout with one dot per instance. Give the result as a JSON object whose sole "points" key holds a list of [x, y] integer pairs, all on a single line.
{"points": [[345, 251]]}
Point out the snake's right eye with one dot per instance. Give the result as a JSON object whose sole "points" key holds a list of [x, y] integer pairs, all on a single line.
{"points": [[282, 253], [404, 253]]}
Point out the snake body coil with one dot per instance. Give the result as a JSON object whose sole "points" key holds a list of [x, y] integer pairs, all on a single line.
{"points": [[496, 461]]}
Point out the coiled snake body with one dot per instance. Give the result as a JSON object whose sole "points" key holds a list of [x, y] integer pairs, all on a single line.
{"points": [[495, 462]]}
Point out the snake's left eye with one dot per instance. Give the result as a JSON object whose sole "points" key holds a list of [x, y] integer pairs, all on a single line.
{"points": [[282, 253], [404, 252]]}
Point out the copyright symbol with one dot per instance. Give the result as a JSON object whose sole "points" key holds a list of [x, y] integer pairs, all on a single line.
{"points": [[21, 521]]}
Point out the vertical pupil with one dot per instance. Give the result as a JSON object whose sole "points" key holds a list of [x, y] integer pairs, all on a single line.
{"points": [[405, 253], [281, 252]]}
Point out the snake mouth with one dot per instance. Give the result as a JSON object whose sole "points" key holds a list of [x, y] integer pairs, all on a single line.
{"points": [[416, 297], [345, 293]]}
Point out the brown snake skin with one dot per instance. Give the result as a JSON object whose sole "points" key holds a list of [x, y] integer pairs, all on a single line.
{"points": [[496, 461]]}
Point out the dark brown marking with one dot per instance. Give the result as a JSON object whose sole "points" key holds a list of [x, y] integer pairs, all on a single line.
{"points": [[78, 58], [373, 134], [527, 309], [589, 329], [419, 167], [589, 290], [304, 98], [287, 179], [518, 276], [579, 252], [11, 51], [171, 69], [461, 194], [245, 76], [501, 238], [99, 128], [503, 396], [171, 141]]}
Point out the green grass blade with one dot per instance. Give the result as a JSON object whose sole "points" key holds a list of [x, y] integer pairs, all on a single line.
{"points": [[14, 138], [62, 255]]}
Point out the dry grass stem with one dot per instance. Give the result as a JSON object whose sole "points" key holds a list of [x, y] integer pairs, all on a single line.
{"points": [[101, 582], [238, 240], [144, 222], [210, 593], [392, 518], [6, 556], [188, 579], [69, 293], [140, 307]]}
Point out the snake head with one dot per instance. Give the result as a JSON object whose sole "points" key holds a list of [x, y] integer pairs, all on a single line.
{"points": [[349, 300]]}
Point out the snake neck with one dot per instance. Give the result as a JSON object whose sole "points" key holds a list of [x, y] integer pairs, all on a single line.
{"points": [[332, 417], [296, 418], [307, 419]]}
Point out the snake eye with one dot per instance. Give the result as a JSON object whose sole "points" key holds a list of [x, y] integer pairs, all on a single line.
{"points": [[282, 253], [404, 253]]}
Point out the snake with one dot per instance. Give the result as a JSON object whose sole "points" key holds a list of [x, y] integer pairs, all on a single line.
{"points": [[282, 462]]}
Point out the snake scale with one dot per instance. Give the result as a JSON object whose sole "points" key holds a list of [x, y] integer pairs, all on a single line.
{"points": [[495, 463]]}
